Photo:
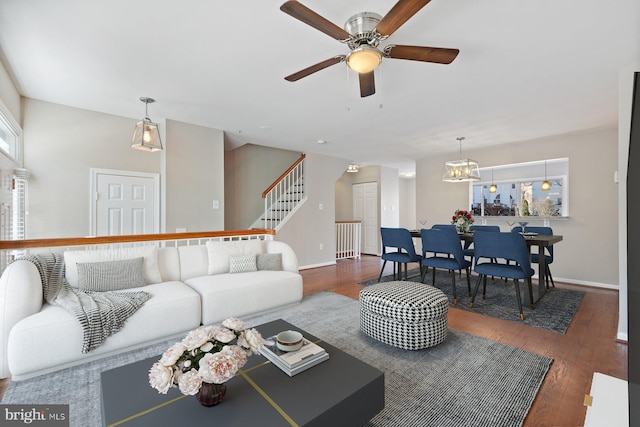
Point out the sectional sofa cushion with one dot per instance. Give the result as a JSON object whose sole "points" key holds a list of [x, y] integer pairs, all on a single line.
{"points": [[52, 338], [239, 295], [111, 275], [149, 253]]}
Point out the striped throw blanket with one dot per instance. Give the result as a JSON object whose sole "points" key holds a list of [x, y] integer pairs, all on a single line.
{"points": [[100, 314]]}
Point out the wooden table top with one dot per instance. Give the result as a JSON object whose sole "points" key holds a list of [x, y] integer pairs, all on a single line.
{"points": [[531, 239]]}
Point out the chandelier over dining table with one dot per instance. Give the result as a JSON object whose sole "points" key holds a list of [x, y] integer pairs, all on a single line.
{"points": [[462, 170]]}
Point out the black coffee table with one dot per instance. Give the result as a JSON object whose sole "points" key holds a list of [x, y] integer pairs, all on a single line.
{"points": [[342, 391]]}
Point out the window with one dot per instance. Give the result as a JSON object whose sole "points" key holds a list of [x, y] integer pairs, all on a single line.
{"points": [[13, 185], [519, 191], [10, 135]]}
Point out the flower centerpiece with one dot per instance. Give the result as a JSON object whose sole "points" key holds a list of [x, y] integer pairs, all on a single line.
{"points": [[462, 220], [205, 360]]}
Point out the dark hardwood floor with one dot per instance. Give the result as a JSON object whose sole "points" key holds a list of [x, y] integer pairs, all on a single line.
{"points": [[589, 345]]}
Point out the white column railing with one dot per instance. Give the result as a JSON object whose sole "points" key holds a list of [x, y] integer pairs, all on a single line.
{"points": [[348, 238], [281, 198], [59, 245]]}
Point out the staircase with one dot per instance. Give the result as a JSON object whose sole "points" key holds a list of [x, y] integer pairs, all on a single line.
{"points": [[283, 197]]}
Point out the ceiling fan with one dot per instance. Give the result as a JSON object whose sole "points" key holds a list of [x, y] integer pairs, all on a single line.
{"points": [[363, 33]]}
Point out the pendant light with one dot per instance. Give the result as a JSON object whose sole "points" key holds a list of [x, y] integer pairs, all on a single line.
{"points": [[146, 136], [546, 185], [493, 187], [462, 170]]}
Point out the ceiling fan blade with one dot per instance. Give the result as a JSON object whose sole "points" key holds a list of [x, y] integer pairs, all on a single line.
{"points": [[422, 53], [314, 68], [398, 15], [367, 84], [309, 17]]}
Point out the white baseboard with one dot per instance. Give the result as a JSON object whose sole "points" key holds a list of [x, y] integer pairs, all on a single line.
{"points": [[586, 283], [323, 264]]}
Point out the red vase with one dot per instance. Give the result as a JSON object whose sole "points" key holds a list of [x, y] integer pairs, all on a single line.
{"points": [[211, 394]]}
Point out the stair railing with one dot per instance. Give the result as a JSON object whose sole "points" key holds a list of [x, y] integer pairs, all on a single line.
{"points": [[284, 195], [348, 238]]}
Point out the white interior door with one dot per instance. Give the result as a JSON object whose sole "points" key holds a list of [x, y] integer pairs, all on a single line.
{"points": [[124, 203], [365, 209]]}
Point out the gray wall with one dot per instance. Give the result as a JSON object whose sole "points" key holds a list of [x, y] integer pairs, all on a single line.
{"points": [[589, 252], [63, 143], [344, 197], [194, 171], [389, 197], [407, 207], [396, 198], [249, 170], [311, 226]]}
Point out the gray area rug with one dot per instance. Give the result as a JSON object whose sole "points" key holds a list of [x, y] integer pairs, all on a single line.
{"points": [[465, 381], [554, 312]]}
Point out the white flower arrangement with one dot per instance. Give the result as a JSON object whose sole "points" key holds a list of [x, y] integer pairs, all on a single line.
{"points": [[205, 355]]}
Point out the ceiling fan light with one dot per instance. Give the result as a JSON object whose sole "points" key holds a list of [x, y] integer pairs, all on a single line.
{"points": [[364, 59]]}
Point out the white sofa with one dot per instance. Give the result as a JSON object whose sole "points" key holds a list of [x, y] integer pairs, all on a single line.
{"points": [[190, 286]]}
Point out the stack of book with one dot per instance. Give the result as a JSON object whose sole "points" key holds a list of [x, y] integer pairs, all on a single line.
{"points": [[294, 362]]}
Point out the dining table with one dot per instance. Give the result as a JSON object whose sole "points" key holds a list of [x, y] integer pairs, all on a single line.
{"points": [[541, 241]]}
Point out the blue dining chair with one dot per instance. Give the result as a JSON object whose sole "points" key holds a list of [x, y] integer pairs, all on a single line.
{"points": [[443, 226], [447, 252], [509, 246], [405, 252], [548, 259], [468, 250]]}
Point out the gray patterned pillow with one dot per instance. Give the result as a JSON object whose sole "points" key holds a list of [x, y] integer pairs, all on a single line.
{"points": [[242, 264], [269, 262], [111, 275]]}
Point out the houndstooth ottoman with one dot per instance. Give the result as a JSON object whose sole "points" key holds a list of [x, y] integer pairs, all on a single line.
{"points": [[407, 315]]}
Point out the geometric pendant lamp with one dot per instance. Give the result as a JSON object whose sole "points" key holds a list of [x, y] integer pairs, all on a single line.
{"points": [[462, 170], [146, 136]]}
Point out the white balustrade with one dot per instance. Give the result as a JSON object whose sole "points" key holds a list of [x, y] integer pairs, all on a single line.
{"points": [[348, 239]]}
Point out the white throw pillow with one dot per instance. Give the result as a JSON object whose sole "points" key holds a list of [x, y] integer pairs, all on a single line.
{"points": [[219, 253], [242, 264], [149, 253]]}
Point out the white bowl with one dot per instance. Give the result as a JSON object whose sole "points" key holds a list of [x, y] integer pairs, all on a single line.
{"points": [[289, 340]]}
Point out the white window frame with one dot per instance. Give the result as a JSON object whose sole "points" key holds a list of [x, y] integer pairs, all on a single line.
{"points": [[525, 172], [7, 121]]}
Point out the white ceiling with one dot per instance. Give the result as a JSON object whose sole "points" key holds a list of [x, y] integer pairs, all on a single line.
{"points": [[525, 70]]}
